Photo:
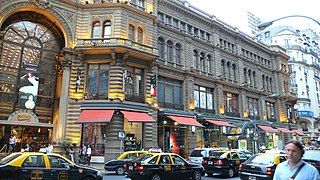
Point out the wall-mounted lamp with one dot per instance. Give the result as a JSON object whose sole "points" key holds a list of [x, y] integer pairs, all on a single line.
{"points": [[193, 129], [165, 122], [175, 123], [87, 2]]}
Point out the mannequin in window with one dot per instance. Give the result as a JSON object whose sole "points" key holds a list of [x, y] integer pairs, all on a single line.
{"points": [[30, 89]]}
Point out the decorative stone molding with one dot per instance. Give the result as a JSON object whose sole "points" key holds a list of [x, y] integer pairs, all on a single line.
{"points": [[43, 4]]}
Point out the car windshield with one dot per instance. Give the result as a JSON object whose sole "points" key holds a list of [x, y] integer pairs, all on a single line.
{"points": [[261, 159], [312, 155], [9, 158], [198, 153], [143, 157]]}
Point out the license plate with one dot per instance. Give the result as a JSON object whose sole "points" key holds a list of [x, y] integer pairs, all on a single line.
{"points": [[252, 178], [210, 162], [130, 167]]}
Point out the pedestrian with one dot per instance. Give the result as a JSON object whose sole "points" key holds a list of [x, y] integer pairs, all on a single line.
{"points": [[71, 154], [12, 143], [295, 167], [82, 153], [88, 154], [50, 148]]}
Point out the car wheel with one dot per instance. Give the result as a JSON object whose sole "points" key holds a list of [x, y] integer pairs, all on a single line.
{"points": [[210, 174], [155, 177], [120, 170], [196, 175], [230, 173]]}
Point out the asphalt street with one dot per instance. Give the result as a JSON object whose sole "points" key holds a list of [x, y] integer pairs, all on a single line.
{"points": [[109, 175]]}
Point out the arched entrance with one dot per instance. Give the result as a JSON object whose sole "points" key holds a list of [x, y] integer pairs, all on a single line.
{"points": [[28, 78]]}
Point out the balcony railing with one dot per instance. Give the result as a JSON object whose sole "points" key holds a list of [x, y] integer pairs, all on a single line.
{"points": [[108, 42], [135, 98]]}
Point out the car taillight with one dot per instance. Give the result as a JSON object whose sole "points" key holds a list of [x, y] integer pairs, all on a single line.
{"points": [[241, 167], [139, 168], [219, 162], [125, 166], [269, 170], [317, 163], [204, 161]]}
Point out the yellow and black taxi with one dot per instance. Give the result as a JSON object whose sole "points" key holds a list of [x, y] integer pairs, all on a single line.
{"points": [[36, 165], [117, 165], [261, 166], [157, 166], [225, 162]]}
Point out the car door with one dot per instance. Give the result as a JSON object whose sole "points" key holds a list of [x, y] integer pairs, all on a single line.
{"points": [[165, 167], [61, 169], [180, 167], [33, 167]]}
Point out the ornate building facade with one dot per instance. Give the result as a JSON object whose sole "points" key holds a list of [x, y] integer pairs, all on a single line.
{"points": [[122, 75]]}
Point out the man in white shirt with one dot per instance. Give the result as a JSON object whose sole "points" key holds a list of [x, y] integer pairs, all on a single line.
{"points": [[88, 154], [50, 148]]}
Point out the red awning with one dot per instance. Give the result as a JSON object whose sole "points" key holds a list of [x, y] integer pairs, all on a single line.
{"points": [[268, 129], [189, 121], [219, 123], [134, 116], [95, 116], [284, 130], [298, 132]]}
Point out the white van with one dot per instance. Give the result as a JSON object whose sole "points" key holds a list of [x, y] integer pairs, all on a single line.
{"points": [[196, 156]]}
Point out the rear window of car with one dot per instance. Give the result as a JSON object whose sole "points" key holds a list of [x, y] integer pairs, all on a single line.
{"points": [[262, 159], [143, 157], [9, 158], [199, 153], [218, 154]]}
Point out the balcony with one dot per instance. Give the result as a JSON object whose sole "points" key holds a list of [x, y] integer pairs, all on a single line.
{"points": [[107, 45]]}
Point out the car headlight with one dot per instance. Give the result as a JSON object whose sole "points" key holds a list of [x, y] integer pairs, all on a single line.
{"points": [[99, 173]]}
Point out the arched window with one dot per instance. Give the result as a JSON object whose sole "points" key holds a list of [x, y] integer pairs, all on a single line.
{"points": [[96, 29], [27, 65], [254, 78], [234, 72], [161, 47], [249, 77], [169, 51], [107, 29], [245, 75], [202, 62], [178, 53], [140, 35], [229, 70], [270, 84], [209, 62], [131, 32], [195, 59], [223, 68], [263, 82]]}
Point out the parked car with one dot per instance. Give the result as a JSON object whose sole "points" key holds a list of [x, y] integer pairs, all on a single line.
{"points": [[157, 166], [196, 156], [312, 157], [261, 166], [247, 153], [37, 165], [117, 165], [225, 162]]}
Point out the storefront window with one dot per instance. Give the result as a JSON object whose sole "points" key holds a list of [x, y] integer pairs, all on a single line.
{"points": [[98, 80], [203, 99], [170, 93], [94, 135], [231, 102], [134, 87], [270, 110]]}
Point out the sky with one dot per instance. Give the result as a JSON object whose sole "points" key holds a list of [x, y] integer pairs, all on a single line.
{"points": [[234, 12]]}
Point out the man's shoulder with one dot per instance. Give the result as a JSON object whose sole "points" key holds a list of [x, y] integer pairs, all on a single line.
{"points": [[310, 167]]}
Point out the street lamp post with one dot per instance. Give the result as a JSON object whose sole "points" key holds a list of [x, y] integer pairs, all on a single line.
{"points": [[254, 134], [264, 25]]}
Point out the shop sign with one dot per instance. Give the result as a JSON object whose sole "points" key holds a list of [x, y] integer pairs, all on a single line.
{"points": [[23, 115], [121, 135]]}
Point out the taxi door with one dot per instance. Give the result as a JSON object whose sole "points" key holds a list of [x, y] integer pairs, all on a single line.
{"points": [[180, 168], [60, 169], [165, 167], [33, 167]]}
